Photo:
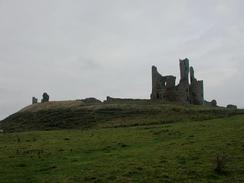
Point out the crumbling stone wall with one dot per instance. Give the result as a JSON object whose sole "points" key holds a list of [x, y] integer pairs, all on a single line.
{"points": [[164, 88], [91, 100], [196, 89], [45, 98], [231, 106], [183, 95], [213, 103], [34, 100], [123, 100]]}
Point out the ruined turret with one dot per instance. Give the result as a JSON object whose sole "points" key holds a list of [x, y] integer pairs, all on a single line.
{"points": [[156, 86], [184, 70], [196, 89], [183, 87], [45, 98], [192, 74]]}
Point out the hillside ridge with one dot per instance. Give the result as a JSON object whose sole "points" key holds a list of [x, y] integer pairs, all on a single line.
{"points": [[78, 114]]}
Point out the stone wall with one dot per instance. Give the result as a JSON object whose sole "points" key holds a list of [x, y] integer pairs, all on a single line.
{"points": [[163, 87], [34, 100], [91, 100], [196, 89], [45, 98], [231, 106], [123, 100]]}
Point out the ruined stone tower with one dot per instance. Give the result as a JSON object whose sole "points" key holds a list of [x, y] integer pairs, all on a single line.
{"points": [[196, 89], [183, 87], [184, 70], [164, 88]]}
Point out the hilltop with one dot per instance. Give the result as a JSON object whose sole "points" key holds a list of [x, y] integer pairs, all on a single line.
{"points": [[169, 103], [80, 115]]}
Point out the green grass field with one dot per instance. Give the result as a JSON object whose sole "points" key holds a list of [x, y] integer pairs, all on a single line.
{"points": [[181, 151]]}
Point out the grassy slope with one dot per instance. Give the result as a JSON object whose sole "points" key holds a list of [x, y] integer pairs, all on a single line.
{"points": [[77, 115], [177, 152]]}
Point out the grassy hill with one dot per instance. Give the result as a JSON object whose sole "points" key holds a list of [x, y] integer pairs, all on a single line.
{"points": [[77, 115], [125, 142]]}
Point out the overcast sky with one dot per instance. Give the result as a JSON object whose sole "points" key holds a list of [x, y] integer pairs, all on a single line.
{"points": [[74, 49]]}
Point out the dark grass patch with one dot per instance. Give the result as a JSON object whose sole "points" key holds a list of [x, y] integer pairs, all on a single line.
{"points": [[48, 168]]}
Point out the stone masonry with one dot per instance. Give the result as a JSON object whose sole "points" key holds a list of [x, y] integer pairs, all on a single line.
{"points": [[45, 98], [165, 89], [34, 100]]}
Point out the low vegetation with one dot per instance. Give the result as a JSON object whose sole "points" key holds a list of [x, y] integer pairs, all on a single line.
{"points": [[124, 143]]}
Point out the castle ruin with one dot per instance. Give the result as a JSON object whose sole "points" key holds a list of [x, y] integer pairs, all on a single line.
{"points": [[164, 87]]}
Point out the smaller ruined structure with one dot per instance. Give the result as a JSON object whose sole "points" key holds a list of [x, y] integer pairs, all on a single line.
{"points": [[34, 100], [91, 100], [165, 89], [231, 106], [45, 98], [212, 103]]}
